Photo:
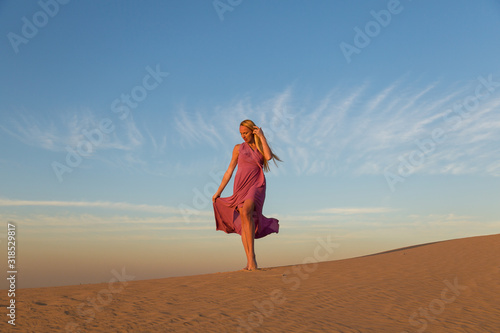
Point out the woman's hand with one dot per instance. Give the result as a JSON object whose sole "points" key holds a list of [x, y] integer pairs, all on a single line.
{"points": [[258, 131], [216, 195]]}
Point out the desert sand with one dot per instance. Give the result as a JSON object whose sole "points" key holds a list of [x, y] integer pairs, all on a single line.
{"points": [[448, 286]]}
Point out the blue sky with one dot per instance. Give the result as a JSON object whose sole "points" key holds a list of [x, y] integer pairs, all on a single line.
{"points": [[117, 120]]}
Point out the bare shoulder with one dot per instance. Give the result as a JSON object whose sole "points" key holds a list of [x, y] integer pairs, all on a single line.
{"points": [[236, 151], [234, 158]]}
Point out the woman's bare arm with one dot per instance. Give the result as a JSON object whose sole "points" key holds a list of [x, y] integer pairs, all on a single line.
{"points": [[267, 151], [229, 172]]}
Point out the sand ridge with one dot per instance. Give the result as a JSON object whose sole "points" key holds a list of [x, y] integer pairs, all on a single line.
{"points": [[449, 286]]}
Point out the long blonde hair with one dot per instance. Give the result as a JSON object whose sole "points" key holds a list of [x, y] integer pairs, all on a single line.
{"points": [[258, 143]]}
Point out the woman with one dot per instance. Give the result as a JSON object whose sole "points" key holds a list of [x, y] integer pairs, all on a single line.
{"points": [[242, 212]]}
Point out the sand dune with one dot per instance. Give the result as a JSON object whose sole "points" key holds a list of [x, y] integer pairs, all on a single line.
{"points": [[449, 286]]}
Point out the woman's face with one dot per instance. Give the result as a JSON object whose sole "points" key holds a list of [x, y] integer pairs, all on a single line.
{"points": [[246, 134]]}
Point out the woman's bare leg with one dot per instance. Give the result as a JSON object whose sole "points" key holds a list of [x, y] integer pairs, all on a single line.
{"points": [[244, 241], [248, 233]]}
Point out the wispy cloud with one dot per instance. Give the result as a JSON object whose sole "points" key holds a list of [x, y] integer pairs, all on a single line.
{"points": [[74, 227], [384, 222], [127, 146], [354, 210], [358, 130], [114, 222], [38, 133], [120, 206], [361, 130], [70, 129], [194, 129], [343, 222]]}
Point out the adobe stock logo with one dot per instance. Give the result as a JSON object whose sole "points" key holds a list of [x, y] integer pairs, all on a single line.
{"points": [[221, 6], [40, 19], [372, 29], [426, 147], [91, 140], [294, 276]]}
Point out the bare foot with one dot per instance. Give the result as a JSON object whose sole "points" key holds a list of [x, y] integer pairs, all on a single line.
{"points": [[252, 266]]}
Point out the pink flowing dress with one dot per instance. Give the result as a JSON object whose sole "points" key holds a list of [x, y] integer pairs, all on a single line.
{"points": [[249, 183]]}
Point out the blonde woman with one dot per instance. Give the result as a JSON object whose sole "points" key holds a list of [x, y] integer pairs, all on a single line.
{"points": [[242, 212]]}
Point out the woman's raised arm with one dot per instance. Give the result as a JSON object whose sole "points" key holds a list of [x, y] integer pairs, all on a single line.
{"points": [[267, 151]]}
